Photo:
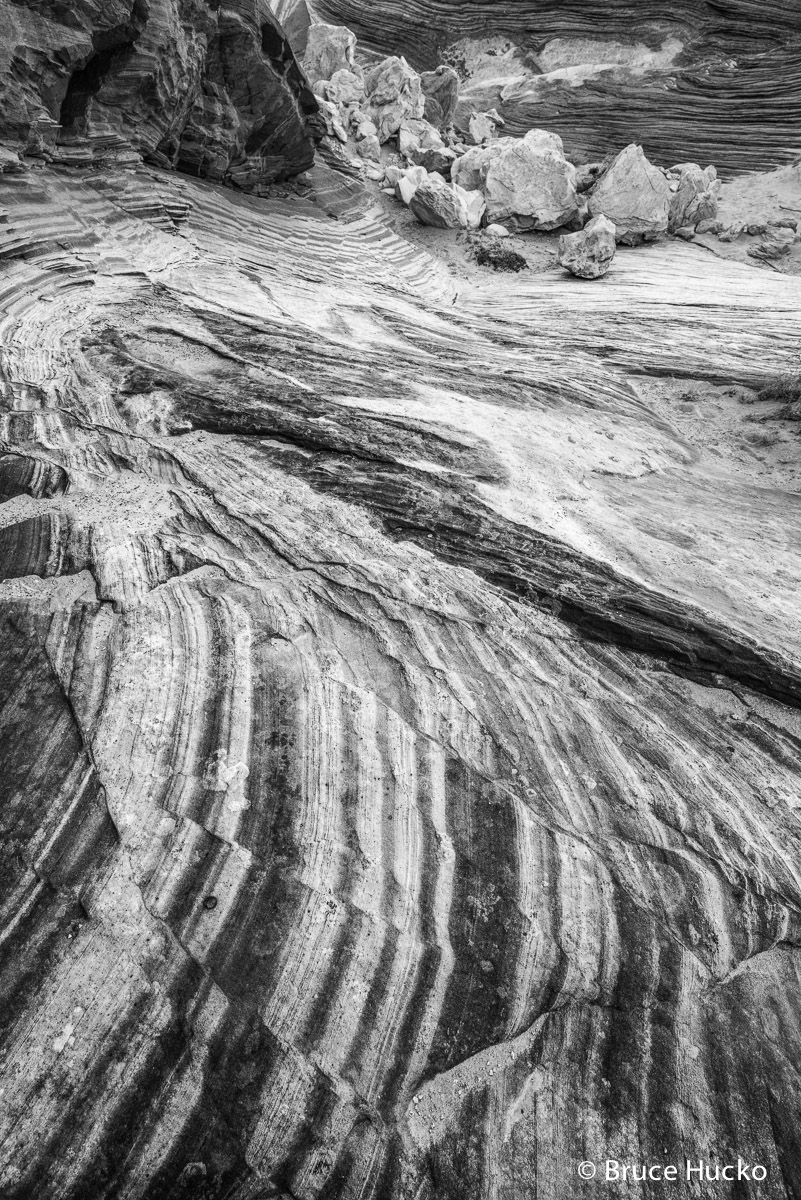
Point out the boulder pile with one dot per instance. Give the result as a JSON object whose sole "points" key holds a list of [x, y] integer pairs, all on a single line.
{"points": [[398, 126]]}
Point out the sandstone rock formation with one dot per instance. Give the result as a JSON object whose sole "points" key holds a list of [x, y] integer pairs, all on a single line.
{"points": [[588, 253], [635, 197], [215, 92], [400, 672], [526, 180], [342, 805], [691, 80]]}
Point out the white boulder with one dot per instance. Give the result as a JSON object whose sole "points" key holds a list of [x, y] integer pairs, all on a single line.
{"points": [[635, 196], [330, 48], [481, 128], [526, 180], [408, 182], [589, 252], [393, 94], [695, 198], [445, 205]]}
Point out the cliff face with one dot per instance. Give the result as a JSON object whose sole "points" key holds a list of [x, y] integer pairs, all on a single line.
{"points": [[690, 80], [424, 29], [213, 90]]}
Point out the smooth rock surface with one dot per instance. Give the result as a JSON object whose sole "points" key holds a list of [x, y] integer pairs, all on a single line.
{"points": [[352, 786], [315, 704]]}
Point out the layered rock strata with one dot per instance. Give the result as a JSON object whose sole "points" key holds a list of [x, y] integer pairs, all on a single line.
{"points": [[215, 91], [397, 802], [691, 80]]}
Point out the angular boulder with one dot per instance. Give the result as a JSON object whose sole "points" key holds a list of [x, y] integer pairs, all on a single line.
{"points": [[777, 244], [345, 88], [420, 142], [635, 196], [393, 94], [475, 207], [329, 48], [526, 181], [333, 121], [696, 197], [441, 95], [589, 253], [407, 182], [481, 128], [446, 205]]}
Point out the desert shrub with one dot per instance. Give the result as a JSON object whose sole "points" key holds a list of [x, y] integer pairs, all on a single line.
{"points": [[785, 390], [491, 252]]}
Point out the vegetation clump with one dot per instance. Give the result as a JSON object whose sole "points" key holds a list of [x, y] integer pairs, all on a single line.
{"points": [[491, 252], [784, 390]]}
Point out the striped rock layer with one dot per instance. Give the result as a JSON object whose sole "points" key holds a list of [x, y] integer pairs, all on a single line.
{"points": [[399, 717], [723, 84]]}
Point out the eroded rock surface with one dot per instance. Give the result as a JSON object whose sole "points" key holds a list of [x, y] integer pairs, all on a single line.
{"points": [[692, 80], [362, 805], [216, 92], [400, 680]]}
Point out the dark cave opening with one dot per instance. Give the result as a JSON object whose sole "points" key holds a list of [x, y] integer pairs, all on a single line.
{"points": [[84, 84], [110, 46]]}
